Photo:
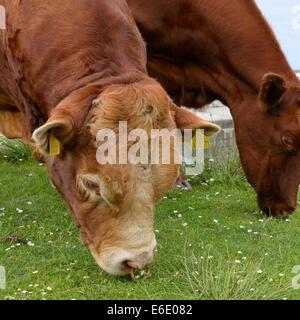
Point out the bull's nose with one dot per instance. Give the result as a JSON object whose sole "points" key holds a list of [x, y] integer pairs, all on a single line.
{"points": [[121, 262], [139, 262], [276, 209], [279, 213]]}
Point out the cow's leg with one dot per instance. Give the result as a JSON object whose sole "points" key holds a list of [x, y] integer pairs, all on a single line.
{"points": [[11, 124], [182, 182], [11, 120]]}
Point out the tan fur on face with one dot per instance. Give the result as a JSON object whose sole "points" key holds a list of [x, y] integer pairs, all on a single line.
{"points": [[144, 105], [119, 213], [118, 201], [115, 209]]}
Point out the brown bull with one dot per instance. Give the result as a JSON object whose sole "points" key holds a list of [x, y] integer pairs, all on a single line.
{"points": [[56, 58], [202, 50]]}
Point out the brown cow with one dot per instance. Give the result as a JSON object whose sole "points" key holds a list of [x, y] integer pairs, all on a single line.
{"points": [[56, 58], [206, 50]]}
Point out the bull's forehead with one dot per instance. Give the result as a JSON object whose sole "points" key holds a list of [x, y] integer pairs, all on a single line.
{"points": [[143, 105]]}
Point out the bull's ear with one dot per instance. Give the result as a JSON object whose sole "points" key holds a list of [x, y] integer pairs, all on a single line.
{"points": [[188, 120], [272, 88], [66, 119], [57, 130]]}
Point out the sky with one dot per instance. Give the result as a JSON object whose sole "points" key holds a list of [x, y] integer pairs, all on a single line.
{"points": [[284, 17]]}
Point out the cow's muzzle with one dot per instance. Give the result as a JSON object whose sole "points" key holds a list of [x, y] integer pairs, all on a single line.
{"points": [[278, 211], [121, 262]]}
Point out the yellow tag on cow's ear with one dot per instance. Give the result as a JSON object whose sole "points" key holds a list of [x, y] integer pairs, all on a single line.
{"points": [[207, 142], [54, 146]]}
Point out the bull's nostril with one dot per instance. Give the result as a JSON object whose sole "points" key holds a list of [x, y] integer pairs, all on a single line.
{"points": [[130, 266], [122, 263], [277, 211], [125, 265], [281, 213], [133, 265]]}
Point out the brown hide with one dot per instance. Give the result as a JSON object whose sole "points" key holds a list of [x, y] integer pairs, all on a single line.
{"points": [[43, 59], [206, 50], [56, 58]]}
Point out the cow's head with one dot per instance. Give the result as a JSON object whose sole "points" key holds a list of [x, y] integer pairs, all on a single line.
{"points": [[114, 204], [269, 141]]}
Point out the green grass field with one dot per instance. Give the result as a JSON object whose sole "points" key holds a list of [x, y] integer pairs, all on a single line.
{"points": [[213, 243]]}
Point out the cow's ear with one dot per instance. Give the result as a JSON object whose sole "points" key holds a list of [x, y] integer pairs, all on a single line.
{"points": [[66, 119], [188, 120], [272, 88], [53, 134]]}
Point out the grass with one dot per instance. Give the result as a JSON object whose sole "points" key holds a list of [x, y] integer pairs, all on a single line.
{"points": [[213, 243], [14, 150]]}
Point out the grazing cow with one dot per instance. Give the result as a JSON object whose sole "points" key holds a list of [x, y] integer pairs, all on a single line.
{"points": [[206, 50], [68, 69]]}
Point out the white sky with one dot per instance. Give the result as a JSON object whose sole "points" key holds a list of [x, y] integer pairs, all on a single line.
{"points": [[284, 17]]}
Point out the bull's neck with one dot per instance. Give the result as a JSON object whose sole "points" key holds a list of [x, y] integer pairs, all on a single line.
{"points": [[236, 83], [240, 92], [247, 49], [91, 86]]}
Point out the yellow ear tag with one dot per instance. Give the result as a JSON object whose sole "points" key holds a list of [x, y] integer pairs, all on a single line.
{"points": [[54, 146], [207, 142]]}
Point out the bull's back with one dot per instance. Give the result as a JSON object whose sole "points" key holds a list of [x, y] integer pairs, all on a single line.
{"points": [[50, 47]]}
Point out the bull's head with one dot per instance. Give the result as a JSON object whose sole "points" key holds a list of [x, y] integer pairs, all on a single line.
{"points": [[113, 205], [269, 141]]}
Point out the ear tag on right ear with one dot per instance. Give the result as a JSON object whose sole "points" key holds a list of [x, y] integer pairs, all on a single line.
{"points": [[54, 146], [207, 142]]}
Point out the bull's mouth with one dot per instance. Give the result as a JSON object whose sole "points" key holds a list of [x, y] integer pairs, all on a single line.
{"points": [[277, 211], [138, 274], [136, 271], [120, 262]]}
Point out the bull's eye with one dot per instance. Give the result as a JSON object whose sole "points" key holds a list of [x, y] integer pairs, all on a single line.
{"points": [[289, 143], [149, 109]]}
